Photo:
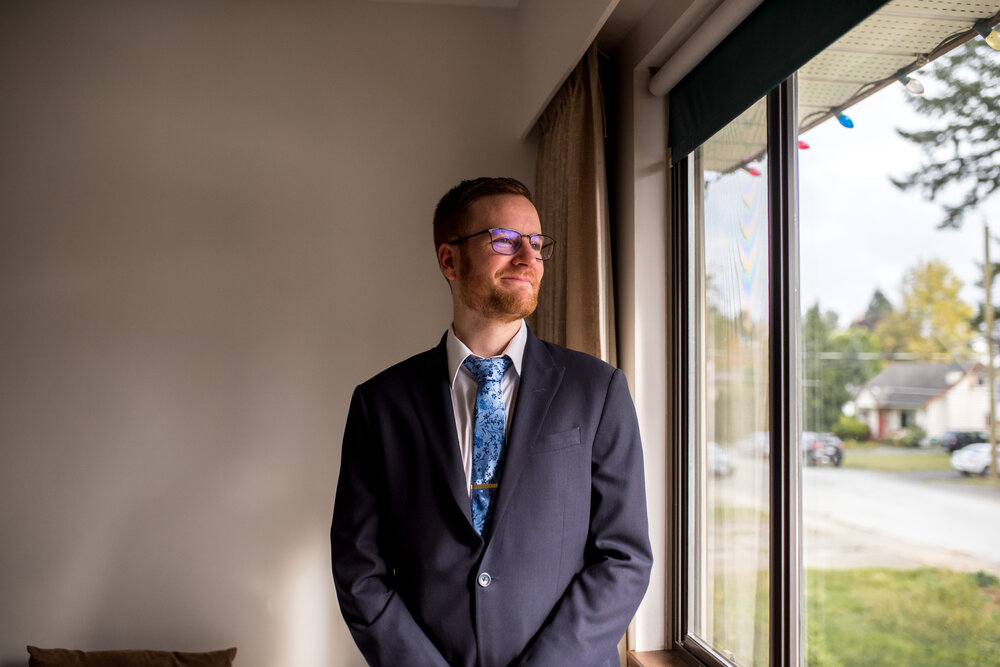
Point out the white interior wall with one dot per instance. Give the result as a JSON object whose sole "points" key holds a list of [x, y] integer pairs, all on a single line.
{"points": [[216, 221], [553, 35], [643, 293]]}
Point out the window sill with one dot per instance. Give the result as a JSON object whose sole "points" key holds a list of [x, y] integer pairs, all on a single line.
{"points": [[655, 659]]}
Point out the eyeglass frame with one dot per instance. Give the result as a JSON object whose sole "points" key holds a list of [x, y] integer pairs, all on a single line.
{"points": [[547, 242]]}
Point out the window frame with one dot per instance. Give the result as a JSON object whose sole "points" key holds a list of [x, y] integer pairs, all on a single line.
{"points": [[786, 601]]}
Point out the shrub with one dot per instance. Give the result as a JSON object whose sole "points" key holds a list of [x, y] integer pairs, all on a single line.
{"points": [[849, 428], [985, 579], [911, 436]]}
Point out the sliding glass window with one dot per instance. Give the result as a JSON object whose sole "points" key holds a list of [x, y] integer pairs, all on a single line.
{"points": [[835, 478], [901, 552], [728, 393]]}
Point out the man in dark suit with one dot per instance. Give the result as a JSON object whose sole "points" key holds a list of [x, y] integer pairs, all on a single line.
{"points": [[491, 508]]}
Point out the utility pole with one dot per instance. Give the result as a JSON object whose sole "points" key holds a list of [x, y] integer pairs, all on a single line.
{"points": [[990, 372]]}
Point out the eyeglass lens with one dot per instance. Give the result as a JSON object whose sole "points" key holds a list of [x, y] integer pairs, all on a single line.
{"points": [[508, 241]]}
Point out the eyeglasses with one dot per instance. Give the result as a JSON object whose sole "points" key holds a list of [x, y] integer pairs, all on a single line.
{"points": [[508, 242]]}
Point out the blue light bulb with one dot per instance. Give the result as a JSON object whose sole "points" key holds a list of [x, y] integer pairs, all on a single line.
{"points": [[845, 120]]}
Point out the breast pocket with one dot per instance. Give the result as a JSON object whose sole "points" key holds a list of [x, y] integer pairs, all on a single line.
{"points": [[555, 441]]}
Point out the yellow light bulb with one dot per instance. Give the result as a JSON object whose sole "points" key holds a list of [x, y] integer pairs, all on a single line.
{"points": [[988, 33], [993, 39]]}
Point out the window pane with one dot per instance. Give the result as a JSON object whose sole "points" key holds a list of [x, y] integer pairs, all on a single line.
{"points": [[728, 390], [901, 552]]}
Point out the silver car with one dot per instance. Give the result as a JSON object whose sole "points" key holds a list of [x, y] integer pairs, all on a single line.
{"points": [[973, 459], [720, 463]]}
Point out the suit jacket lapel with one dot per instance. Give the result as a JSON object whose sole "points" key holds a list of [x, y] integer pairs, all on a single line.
{"points": [[540, 379], [438, 416]]}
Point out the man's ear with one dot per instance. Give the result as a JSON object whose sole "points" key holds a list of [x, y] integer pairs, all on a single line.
{"points": [[446, 261]]}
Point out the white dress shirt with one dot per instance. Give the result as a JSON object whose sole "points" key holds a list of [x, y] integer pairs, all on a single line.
{"points": [[463, 389]]}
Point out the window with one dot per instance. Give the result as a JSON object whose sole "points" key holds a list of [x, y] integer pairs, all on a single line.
{"points": [[774, 570], [728, 545], [895, 569], [740, 587]]}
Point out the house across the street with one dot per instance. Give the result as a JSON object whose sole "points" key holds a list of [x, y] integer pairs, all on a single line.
{"points": [[937, 396]]}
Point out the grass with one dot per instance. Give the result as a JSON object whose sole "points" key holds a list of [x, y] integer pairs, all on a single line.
{"points": [[921, 618], [898, 460], [736, 513], [878, 617], [868, 456], [853, 445]]}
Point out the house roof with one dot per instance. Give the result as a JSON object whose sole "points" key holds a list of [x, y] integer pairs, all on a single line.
{"points": [[912, 384]]}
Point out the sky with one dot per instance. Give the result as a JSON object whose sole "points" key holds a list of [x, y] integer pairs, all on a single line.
{"points": [[858, 232]]}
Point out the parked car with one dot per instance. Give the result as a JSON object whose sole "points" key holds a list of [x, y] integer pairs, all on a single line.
{"points": [[952, 440], [720, 463], [757, 444], [820, 448], [973, 459]]}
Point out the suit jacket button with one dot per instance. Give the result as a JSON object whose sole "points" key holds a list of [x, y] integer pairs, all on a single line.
{"points": [[485, 579]]}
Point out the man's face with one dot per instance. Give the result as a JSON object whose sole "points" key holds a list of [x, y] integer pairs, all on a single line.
{"points": [[498, 287]]}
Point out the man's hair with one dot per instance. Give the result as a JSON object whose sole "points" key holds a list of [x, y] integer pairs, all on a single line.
{"points": [[450, 214]]}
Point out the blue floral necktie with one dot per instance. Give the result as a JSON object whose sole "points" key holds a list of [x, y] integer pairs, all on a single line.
{"points": [[488, 431]]}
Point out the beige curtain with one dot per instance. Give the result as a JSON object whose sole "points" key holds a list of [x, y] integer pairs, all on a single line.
{"points": [[576, 305]]}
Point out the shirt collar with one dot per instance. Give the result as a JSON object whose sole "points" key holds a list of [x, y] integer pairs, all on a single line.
{"points": [[458, 351]]}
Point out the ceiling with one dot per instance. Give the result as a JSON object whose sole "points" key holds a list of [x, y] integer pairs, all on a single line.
{"points": [[897, 39]]}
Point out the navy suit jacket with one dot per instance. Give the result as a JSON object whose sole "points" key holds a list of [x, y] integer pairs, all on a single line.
{"points": [[565, 560]]}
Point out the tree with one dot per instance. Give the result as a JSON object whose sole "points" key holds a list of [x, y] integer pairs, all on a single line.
{"points": [[816, 397], [933, 321], [857, 354], [835, 365], [878, 309], [962, 150]]}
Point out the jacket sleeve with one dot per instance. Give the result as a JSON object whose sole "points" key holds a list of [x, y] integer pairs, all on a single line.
{"points": [[381, 624], [593, 613]]}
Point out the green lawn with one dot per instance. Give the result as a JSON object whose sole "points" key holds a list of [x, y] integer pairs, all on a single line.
{"points": [[892, 459], [897, 460], [877, 617], [920, 618]]}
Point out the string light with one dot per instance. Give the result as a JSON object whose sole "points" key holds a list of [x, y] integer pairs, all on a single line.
{"points": [[982, 27], [843, 118], [990, 34], [911, 84], [803, 145], [753, 171]]}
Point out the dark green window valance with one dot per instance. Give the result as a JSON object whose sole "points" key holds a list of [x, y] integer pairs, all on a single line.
{"points": [[778, 38]]}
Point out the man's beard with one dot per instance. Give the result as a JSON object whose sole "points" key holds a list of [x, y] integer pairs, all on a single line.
{"points": [[502, 305], [509, 307]]}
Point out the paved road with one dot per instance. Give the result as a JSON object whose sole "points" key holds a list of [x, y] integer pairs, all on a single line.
{"points": [[855, 517]]}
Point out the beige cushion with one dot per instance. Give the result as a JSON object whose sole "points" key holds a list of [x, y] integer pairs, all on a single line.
{"points": [[60, 657]]}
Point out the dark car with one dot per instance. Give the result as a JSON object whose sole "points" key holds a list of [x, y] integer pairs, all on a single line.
{"points": [[822, 448], [952, 440]]}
